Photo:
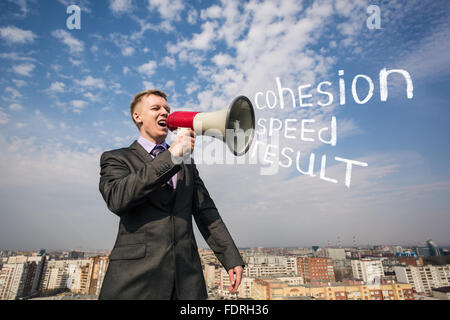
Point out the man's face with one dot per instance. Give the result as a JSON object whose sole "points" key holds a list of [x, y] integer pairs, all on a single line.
{"points": [[151, 113]]}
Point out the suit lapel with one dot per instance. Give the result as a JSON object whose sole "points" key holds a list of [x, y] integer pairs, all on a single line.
{"points": [[141, 152]]}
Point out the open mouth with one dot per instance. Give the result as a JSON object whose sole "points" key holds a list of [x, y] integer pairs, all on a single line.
{"points": [[162, 123]]}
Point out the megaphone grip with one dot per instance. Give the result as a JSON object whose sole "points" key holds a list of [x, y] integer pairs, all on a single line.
{"points": [[181, 119]]}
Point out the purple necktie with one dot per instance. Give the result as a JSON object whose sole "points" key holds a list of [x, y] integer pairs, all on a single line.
{"points": [[155, 152]]}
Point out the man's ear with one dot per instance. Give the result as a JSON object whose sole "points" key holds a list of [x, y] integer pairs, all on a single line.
{"points": [[137, 117]]}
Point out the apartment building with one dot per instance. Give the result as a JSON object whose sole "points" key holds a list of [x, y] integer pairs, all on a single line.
{"points": [[369, 270], [273, 289], [424, 278], [59, 275], [315, 269], [247, 284], [20, 277], [12, 280]]}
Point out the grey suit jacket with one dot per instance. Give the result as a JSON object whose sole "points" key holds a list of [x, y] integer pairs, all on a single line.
{"points": [[155, 248]]}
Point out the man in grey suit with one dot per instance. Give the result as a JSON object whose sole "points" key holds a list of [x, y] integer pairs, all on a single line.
{"points": [[155, 255]]}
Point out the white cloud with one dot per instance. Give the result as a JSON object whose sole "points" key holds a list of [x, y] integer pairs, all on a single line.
{"points": [[19, 83], [148, 85], [75, 46], [148, 68], [123, 42], [192, 16], [263, 40], [14, 56], [84, 5], [199, 41], [430, 57], [15, 107], [213, 12], [192, 87], [168, 9], [91, 82], [14, 35], [11, 94], [42, 118], [24, 69], [94, 49], [4, 118], [78, 105], [169, 62], [92, 97], [75, 63], [128, 51], [23, 5], [57, 87], [222, 60], [120, 6]]}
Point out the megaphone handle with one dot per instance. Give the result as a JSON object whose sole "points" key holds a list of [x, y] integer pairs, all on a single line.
{"points": [[182, 131]]}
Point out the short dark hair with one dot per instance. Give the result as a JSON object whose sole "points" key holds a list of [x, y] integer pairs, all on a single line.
{"points": [[141, 95]]}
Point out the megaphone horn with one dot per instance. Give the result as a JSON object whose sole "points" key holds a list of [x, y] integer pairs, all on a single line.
{"points": [[238, 118]]}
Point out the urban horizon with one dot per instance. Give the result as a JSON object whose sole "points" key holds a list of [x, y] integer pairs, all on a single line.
{"points": [[343, 245], [355, 273]]}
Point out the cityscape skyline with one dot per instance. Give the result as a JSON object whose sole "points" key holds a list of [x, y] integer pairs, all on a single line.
{"points": [[205, 246], [377, 273]]}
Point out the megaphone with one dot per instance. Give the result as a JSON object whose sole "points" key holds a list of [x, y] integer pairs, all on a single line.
{"points": [[235, 125]]}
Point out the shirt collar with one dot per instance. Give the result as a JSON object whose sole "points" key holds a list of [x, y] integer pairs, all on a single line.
{"points": [[149, 145]]}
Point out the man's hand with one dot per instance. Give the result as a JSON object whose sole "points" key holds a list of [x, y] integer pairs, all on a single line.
{"points": [[235, 280], [184, 143]]}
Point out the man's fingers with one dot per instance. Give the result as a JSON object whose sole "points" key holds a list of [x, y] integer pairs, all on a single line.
{"points": [[232, 280], [238, 278], [231, 275], [235, 275]]}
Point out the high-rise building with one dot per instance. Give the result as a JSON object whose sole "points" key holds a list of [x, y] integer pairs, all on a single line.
{"points": [[59, 275], [212, 275], [274, 289], [267, 265], [81, 279], [245, 289], [12, 280], [423, 279], [369, 270], [433, 248], [315, 269], [20, 277], [98, 266], [87, 276]]}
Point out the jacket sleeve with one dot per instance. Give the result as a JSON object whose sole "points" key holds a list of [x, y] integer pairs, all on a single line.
{"points": [[212, 227], [122, 190]]}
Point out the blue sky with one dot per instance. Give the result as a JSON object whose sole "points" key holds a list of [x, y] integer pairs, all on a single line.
{"points": [[65, 97]]}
